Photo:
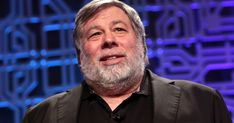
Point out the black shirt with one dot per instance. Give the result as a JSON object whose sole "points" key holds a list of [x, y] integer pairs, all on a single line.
{"points": [[138, 108]]}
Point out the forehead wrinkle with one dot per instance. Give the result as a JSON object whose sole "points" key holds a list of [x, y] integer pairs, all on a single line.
{"points": [[115, 22]]}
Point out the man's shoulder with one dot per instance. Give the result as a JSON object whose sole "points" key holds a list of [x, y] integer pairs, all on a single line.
{"points": [[183, 85], [50, 104], [195, 100], [194, 87]]}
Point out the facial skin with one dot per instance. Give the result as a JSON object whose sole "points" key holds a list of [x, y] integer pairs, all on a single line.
{"points": [[111, 56]]}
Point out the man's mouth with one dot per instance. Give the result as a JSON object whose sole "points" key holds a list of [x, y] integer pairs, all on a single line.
{"points": [[112, 59]]}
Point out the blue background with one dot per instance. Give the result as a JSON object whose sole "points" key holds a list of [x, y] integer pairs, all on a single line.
{"points": [[187, 39]]}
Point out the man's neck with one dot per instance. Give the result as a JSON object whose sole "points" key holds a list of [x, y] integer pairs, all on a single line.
{"points": [[115, 101]]}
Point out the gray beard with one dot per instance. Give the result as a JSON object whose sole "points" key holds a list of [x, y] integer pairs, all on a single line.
{"points": [[115, 79]]}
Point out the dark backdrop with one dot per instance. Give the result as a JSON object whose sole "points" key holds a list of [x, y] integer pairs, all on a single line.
{"points": [[187, 39]]}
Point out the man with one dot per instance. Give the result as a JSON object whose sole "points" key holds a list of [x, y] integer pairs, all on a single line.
{"points": [[110, 42]]}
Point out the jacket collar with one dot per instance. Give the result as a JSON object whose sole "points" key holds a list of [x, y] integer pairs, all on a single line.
{"points": [[68, 106], [166, 97]]}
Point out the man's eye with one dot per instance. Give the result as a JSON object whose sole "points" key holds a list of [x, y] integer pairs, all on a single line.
{"points": [[119, 29], [95, 34]]}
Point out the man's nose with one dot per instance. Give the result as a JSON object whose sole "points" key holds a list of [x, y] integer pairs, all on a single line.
{"points": [[109, 41]]}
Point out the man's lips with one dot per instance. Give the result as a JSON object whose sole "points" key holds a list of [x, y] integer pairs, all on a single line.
{"points": [[112, 59]]}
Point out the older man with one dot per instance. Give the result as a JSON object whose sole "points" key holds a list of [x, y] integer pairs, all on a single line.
{"points": [[110, 42]]}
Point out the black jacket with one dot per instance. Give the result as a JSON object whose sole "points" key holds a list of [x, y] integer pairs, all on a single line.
{"points": [[175, 101]]}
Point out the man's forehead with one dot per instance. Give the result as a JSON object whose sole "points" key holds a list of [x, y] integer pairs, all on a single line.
{"points": [[112, 23], [101, 20], [110, 12]]}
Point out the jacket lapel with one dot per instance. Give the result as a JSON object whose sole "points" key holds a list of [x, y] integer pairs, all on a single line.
{"points": [[166, 97], [68, 106]]}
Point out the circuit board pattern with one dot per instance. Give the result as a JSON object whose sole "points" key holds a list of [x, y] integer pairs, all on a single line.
{"points": [[187, 39]]}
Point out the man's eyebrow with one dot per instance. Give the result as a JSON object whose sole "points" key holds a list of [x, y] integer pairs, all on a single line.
{"points": [[93, 27], [113, 23], [118, 21]]}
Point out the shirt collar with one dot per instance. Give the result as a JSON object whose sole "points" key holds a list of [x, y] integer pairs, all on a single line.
{"points": [[145, 88], [87, 91]]}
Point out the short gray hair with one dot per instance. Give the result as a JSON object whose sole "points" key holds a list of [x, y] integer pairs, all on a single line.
{"points": [[90, 9]]}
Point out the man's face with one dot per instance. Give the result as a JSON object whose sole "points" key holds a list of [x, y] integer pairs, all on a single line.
{"points": [[110, 50], [108, 36]]}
